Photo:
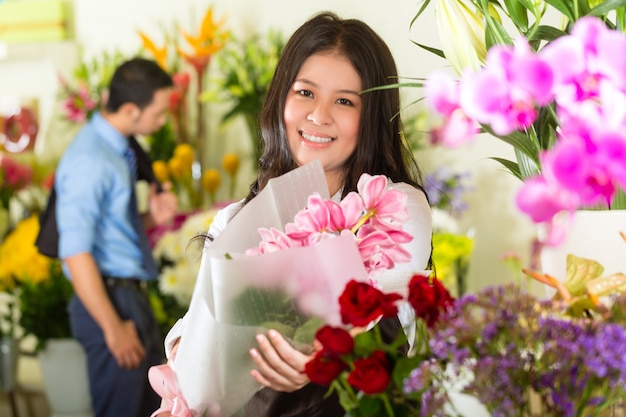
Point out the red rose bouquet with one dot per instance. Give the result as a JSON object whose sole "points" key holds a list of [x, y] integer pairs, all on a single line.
{"points": [[365, 370]]}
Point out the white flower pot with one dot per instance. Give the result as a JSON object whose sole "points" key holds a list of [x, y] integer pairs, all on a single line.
{"points": [[64, 372], [592, 234]]}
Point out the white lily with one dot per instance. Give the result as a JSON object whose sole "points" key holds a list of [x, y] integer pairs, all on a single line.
{"points": [[462, 35]]}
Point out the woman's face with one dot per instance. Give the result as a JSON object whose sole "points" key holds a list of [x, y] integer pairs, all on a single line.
{"points": [[322, 113]]}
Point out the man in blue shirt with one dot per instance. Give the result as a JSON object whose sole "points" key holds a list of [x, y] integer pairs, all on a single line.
{"points": [[103, 245]]}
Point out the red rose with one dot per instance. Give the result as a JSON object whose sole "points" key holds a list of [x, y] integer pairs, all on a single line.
{"points": [[371, 375], [323, 369], [336, 341], [360, 303], [428, 298]]}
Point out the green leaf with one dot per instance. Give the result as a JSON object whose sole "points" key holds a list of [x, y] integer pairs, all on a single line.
{"points": [[365, 343], [606, 6], [578, 272], [419, 12], [435, 51], [563, 6], [370, 406], [496, 34], [518, 13], [528, 167], [619, 200], [519, 141], [511, 166], [546, 33]]}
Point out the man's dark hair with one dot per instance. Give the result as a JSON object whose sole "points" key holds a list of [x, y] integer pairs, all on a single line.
{"points": [[135, 81]]}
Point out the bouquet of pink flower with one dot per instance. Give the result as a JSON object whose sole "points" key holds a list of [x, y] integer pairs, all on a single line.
{"points": [[300, 267]]}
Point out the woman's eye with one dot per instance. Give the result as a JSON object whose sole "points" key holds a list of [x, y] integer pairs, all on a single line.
{"points": [[344, 101], [305, 93]]}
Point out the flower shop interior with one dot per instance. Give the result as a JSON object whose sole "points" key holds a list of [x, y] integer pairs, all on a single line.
{"points": [[56, 57]]}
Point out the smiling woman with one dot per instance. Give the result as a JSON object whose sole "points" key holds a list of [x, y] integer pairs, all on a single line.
{"points": [[322, 114], [315, 109]]}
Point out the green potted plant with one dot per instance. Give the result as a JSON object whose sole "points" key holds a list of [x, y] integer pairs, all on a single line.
{"points": [[246, 69]]}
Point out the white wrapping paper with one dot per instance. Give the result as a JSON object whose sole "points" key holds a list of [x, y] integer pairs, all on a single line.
{"points": [[212, 364]]}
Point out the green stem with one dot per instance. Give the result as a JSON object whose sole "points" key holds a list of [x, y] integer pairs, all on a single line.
{"points": [[388, 407]]}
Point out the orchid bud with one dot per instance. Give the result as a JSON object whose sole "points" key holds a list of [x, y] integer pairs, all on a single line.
{"points": [[462, 35]]}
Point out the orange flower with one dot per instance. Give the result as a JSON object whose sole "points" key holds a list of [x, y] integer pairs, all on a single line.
{"points": [[159, 54], [210, 40]]}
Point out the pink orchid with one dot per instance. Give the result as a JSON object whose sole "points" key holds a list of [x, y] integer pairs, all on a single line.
{"points": [[272, 240], [541, 199], [442, 93], [382, 248], [164, 382], [385, 206], [504, 93], [317, 221]]}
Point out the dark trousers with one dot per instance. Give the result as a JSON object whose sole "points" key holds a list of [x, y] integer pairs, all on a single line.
{"points": [[117, 392]]}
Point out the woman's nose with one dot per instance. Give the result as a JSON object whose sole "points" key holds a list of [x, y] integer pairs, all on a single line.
{"points": [[320, 114]]}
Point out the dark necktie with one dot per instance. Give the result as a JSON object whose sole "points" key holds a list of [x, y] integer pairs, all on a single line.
{"points": [[148, 264]]}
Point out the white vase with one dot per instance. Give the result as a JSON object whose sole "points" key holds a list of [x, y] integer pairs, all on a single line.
{"points": [[592, 234], [64, 372]]}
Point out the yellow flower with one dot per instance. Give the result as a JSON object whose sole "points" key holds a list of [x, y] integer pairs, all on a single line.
{"points": [[19, 257], [186, 154], [462, 35], [230, 163], [178, 168], [160, 170], [211, 180]]}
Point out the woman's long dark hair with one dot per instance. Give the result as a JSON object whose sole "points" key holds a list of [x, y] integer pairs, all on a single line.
{"points": [[380, 148]]}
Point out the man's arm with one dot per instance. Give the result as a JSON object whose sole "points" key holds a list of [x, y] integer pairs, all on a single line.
{"points": [[120, 336]]}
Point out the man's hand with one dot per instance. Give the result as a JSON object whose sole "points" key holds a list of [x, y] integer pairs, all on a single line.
{"points": [[163, 205], [124, 344]]}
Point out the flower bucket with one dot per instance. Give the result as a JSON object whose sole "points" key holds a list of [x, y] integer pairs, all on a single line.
{"points": [[63, 360], [590, 234], [9, 352]]}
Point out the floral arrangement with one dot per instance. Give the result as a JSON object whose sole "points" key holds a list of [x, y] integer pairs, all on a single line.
{"points": [[178, 259], [86, 93], [210, 38], [515, 354], [37, 290], [179, 171], [246, 67], [552, 94], [14, 176]]}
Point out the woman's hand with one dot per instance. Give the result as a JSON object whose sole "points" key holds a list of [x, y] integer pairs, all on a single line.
{"points": [[280, 365]]}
